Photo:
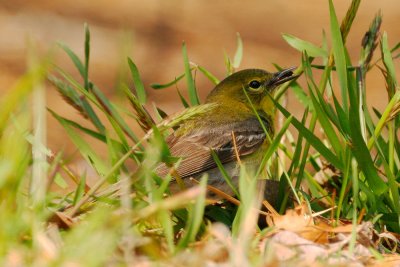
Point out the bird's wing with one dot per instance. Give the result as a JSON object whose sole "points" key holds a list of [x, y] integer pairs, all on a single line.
{"points": [[195, 149]]}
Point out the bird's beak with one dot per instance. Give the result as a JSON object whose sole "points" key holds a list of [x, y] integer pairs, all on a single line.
{"points": [[282, 76]]}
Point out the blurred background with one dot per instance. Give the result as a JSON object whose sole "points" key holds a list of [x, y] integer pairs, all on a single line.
{"points": [[151, 32]]}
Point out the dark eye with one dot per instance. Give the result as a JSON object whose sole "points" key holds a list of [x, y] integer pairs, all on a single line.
{"points": [[254, 84]]}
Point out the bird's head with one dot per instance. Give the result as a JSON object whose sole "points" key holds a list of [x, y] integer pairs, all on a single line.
{"points": [[256, 83]]}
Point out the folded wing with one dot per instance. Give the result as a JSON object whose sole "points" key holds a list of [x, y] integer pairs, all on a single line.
{"points": [[195, 149]]}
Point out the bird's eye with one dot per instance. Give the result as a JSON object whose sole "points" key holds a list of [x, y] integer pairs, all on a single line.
{"points": [[254, 84]]}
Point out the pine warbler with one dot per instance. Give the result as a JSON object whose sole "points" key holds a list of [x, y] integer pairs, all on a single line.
{"points": [[212, 130]]}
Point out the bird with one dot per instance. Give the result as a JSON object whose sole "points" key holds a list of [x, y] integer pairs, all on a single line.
{"points": [[230, 129]]}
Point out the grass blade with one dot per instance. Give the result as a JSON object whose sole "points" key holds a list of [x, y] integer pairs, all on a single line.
{"points": [[274, 145], [339, 54], [91, 133], [226, 176], [301, 95], [158, 86], [389, 65], [193, 97], [326, 125], [347, 22], [87, 55], [312, 139], [183, 100], [363, 157], [74, 58], [195, 217], [113, 115], [137, 81], [87, 152], [301, 45], [237, 58], [208, 74], [79, 192]]}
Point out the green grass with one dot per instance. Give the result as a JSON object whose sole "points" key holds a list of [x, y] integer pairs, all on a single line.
{"points": [[128, 216]]}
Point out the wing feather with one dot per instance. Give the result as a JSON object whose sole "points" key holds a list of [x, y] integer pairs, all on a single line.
{"points": [[195, 149]]}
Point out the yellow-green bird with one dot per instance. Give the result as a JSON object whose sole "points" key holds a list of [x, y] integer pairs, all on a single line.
{"points": [[231, 112]]}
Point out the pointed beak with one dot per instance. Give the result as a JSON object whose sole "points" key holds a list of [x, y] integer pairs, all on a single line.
{"points": [[282, 76]]}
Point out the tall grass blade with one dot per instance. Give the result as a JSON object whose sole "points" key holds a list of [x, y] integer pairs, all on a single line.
{"points": [[80, 190], [312, 139], [274, 145], [137, 81], [183, 100], [158, 86], [74, 58], [301, 45], [85, 149], [224, 173], [193, 97], [87, 56], [339, 54], [237, 58], [38, 184], [389, 66], [195, 217], [347, 22], [208, 74], [113, 115], [363, 157]]}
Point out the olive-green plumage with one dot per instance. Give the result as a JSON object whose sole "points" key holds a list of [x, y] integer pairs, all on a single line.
{"points": [[231, 112]]}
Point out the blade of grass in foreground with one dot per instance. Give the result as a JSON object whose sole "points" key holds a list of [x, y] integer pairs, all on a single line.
{"points": [[158, 86], [193, 97], [274, 145], [208, 74], [80, 190], [355, 186], [183, 100], [326, 125], [312, 139], [74, 58], [392, 88], [363, 157], [347, 22], [92, 133], [389, 66], [246, 216], [113, 115], [226, 176], [237, 58], [301, 45], [19, 91], [137, 81], [195, 217], [38, 184], [87, 108], [87, 54], [167, 224], [87, 152], [339, 54]]}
